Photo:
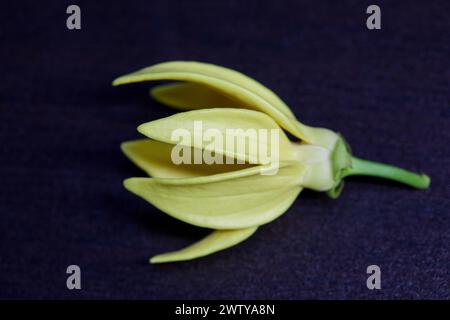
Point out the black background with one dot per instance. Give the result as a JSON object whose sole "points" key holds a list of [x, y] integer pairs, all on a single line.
{"points": [[61, 169]]}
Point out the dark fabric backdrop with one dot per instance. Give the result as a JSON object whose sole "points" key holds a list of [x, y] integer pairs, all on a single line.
{"points": [[61, 169]]}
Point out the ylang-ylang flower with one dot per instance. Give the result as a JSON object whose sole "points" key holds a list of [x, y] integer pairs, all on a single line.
{"points": [[234, 197]]}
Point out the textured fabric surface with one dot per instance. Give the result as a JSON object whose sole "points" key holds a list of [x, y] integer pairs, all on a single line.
{"points": [[61, 169]]}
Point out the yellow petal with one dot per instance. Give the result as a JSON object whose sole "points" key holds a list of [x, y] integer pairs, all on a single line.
{"points": [[154, 158], [224, 120], [232, 83], [189, 96], [215, 241], [231, 200], [236, 86]]}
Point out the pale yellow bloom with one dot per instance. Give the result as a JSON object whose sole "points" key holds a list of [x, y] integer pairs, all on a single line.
{"points": [[234, 199]]}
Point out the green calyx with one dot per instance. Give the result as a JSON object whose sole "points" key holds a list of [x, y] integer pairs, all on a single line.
{"points": [[344, 165], [341, 161]]}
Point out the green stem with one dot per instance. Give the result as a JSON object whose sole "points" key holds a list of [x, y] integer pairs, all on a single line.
{"points": [[381, 170]]}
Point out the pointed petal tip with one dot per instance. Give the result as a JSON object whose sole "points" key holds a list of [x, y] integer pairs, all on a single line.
{"points": [[117, 82], [152, 130], [166, 258], [156, 260], [154, 91], [128, 149], [128, 146], [130, 184], [162, 94], [125, 146], [142, 128]]}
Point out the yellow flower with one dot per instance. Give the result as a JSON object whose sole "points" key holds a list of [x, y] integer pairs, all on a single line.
{"points": [[234, 197]]}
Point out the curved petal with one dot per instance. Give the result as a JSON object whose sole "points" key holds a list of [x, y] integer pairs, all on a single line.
{"points": [[215, 241], [154, 158], [231, 200], [190, 96], [247, 125], [226, 81], [235, 86]]}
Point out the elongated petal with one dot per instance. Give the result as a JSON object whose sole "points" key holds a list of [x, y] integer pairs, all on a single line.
{"points": [[190, 96], [154, 158], [235, 84], [224, 120], [215, 241], [238, 87], [231, 200], [229, 83]]}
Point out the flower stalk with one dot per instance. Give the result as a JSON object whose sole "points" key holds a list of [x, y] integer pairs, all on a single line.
{"points": [[362, 167]]}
